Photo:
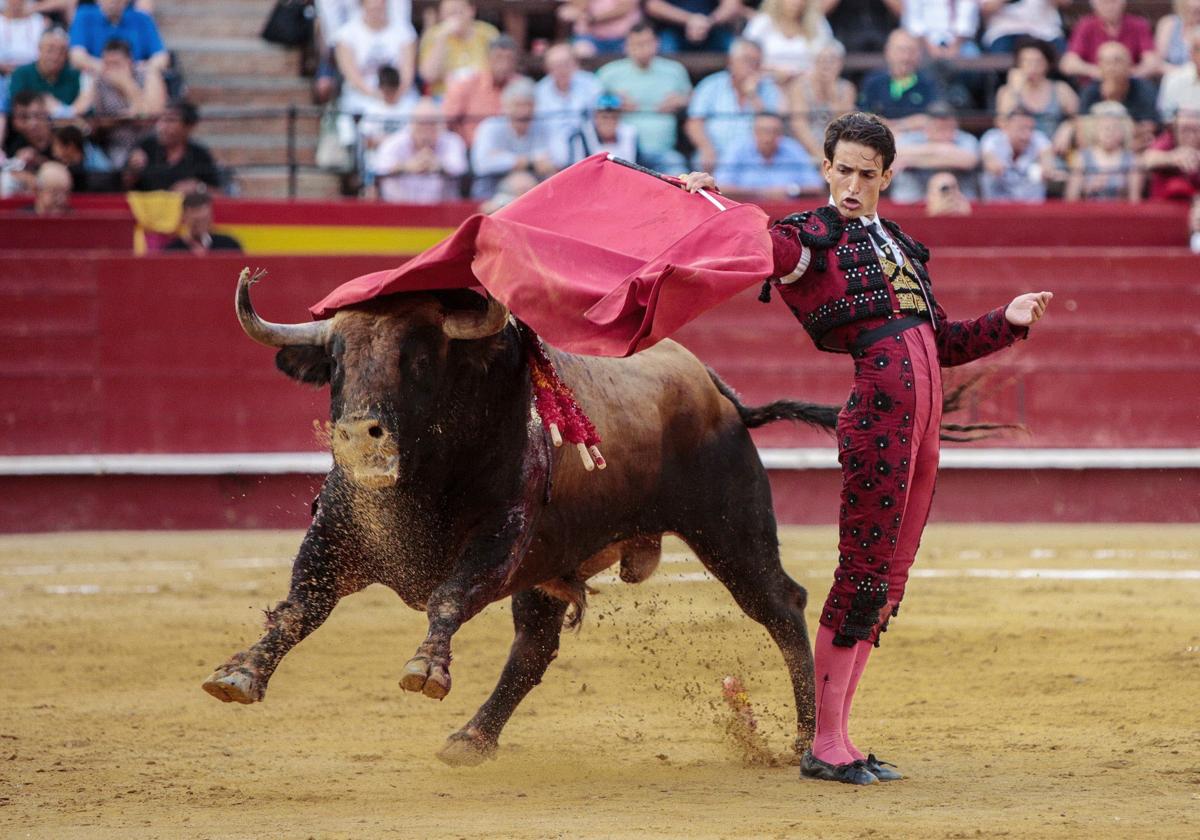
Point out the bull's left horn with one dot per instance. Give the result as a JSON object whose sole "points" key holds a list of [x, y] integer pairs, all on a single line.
{"points": [[265, 332], [470, 325]]}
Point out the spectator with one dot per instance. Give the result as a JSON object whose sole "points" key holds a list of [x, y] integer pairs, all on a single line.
{"points": [[769, 164], [510, 143], [1174, 159], [1015, 157], [52, 190], [1194, 225], [513, 186], [695, 25], [20, 31], [565, 97], [944, 198], [457, 45], [364, 44], [1029, 87], [471, 99], [819, 97], [1116, 84], [94, 26], [1171, 34], [30, 138], [1181, 87], [791, 32], [121, 94], [922, 153], [423, 163], [90, 169], [168, 159], [196, 235], [722, 111], [862, 26], [50, 74], [653, 90], [1106, 167], [945, 28], [1108, 22], [384, 115], [605, 132], [901, 93], [1009, 22], [600, 26]]}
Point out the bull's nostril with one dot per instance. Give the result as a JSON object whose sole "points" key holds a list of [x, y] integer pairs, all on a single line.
{"points": [[375, 432]]}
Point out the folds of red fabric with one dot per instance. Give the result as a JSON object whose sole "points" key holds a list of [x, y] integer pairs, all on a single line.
{"points": [[601, 259]]}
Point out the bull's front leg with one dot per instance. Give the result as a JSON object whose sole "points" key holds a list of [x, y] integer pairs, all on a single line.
{"points": [[318, 583]]}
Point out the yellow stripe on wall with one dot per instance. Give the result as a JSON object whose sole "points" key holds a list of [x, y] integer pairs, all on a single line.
{"points": [[334, 239]]}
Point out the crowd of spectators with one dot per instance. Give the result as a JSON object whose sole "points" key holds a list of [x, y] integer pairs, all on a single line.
{"points": [[89, 99], [447, 105]]}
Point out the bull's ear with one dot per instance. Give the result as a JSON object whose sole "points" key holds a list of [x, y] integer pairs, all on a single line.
{"points": [[312, 365]]}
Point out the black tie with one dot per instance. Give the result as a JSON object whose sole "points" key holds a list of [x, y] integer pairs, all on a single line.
{"points": [[878, 238]]}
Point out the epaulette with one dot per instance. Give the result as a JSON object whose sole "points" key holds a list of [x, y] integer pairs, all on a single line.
{"points": [[819, 229], [913, 246]]}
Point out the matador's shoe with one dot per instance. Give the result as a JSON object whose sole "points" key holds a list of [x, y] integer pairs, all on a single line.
{"points": [[885, 771], [854, 773]]}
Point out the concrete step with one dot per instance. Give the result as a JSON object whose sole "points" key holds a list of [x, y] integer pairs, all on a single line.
{"points": [[272, 182], [212, 18], [210, 89], [220, 56], [222, 120], [241, 149]]}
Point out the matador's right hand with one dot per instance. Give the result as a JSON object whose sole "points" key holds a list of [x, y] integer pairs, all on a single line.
{"points": [[696, 181]]}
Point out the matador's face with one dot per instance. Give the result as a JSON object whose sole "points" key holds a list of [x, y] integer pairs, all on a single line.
{"points": [[856, 177]]}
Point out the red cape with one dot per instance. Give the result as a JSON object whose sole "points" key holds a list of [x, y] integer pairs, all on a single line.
{"points": [[601, 259]]}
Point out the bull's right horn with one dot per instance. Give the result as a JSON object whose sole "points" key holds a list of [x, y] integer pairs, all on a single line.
{"points": [[265, 332], [471, 325]]}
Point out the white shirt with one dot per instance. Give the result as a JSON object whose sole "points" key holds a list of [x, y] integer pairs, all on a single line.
{"points": [[806, 253], [426, 187], [334, 14], [19, 39], [373, 48], [1180, 90], [941, 21], [795, 54]]}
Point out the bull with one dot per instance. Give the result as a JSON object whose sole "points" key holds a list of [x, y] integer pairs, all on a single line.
{"points": [[446, 488]]}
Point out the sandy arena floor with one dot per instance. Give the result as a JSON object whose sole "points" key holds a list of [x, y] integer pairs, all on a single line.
{"points": [[1026, 697]]}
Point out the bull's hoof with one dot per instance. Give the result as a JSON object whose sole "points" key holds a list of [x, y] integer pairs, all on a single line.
{"points": [[234, 686], [429, 679], [465, 749]]}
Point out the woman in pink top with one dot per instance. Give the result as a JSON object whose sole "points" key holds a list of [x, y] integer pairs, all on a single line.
{"points": [[601, 26]]}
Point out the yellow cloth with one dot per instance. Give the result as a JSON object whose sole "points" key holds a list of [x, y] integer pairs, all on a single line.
{"points": [[157, 212], [462, 54]]}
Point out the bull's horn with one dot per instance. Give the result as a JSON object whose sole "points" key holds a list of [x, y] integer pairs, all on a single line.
{"points": [[265, 332], [470, 325]]}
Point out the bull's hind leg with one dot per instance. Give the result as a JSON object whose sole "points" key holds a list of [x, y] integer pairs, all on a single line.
{"points": [[736, 540], [317, 585], [538, 620]]}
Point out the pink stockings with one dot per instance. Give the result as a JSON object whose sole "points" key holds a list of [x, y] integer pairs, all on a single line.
{"points": [[838, 670]]}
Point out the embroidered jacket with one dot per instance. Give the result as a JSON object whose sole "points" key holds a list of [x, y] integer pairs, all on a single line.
{"points": [[846, 282]]}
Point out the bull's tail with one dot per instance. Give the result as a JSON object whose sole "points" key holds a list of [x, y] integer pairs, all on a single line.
{"points": [[820, 416]]}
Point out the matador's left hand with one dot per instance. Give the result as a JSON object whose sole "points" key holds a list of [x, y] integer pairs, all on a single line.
{"points": [[1027, 309]]}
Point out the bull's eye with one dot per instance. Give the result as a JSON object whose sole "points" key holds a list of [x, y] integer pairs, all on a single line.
{"points": [[375, 431]]}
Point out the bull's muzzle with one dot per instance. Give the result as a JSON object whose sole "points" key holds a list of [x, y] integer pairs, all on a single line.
{"points": [[367, 452]]}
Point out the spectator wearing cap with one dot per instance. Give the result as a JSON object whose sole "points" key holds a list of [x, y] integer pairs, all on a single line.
{"points": [[901, 93], [945, 28], [1016, 157], [862, 26], [721, 114], [120, 95], [512, 142], [50, 74], [939, 146], [422, 163], [1181, 87], [1116, 84], [791, 33], [1171, 34], [196, 234], [566, 96], [695, 25], [600, 27], [1173, 159], [52, 190], [455, 46], [366, 43], [1009, 22], [1108, 22], [652, 90], [769, 164], [819, 97], [477, 96], [1053, 103], [606, 131], [169, 159], [94, 26], [1105, 168]]}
